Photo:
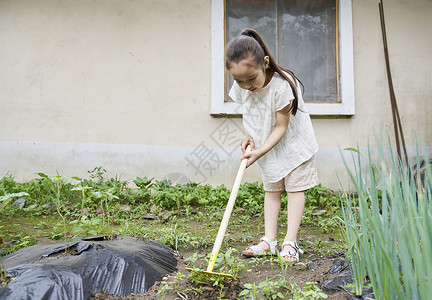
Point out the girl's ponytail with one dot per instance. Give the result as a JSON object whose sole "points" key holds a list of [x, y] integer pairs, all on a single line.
{"points": [[275, 67]]}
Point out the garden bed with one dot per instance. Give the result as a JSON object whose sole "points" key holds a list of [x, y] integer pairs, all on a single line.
{"points": [[323, 251], [185, 218]]}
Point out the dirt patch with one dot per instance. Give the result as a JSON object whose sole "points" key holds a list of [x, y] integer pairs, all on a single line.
{"points": [[323, 256], [318, 270]]}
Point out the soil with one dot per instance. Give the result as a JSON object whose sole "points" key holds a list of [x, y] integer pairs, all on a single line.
{"points": [[318, 270], [317, 265]]}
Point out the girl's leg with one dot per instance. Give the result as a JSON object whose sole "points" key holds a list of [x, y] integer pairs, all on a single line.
{"points": [[272, 204], [295, 208]]}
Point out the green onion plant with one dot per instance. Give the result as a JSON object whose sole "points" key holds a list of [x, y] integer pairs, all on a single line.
{"points": [[389, 236]]}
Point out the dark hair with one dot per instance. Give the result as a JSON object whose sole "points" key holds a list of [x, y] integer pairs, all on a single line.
{"points": [[251, 43]]}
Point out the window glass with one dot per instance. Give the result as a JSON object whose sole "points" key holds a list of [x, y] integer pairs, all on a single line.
{"points": [[302, 36], [257, 14]]}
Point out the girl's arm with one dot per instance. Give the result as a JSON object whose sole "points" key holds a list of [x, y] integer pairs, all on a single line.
{"points": [[282, 120]]}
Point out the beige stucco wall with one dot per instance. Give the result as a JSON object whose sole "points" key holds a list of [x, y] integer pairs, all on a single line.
{"points": [[126, 85]]}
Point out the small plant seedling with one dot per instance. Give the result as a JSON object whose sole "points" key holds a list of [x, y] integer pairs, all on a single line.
{"points": [[59, 181], [226, 264], [310, 291], [83, 190], [269, 288], [104, 196], [86, 226], [97, 173], [171, 285]]}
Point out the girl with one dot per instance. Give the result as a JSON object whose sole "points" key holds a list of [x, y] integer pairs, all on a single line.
{"points": [[280, 134]]}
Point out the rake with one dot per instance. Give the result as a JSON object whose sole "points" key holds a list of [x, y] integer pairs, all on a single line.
{"points": [[224, 224]]}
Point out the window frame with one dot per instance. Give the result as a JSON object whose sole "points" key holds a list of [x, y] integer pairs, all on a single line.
{"points": [[346, 106]]}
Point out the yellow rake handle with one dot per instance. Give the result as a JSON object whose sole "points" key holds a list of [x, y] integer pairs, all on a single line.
{"points": [[227, 214], [212, 261]]}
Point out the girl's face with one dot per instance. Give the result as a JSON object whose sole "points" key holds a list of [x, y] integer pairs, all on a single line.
{"points": [[249, 75]]}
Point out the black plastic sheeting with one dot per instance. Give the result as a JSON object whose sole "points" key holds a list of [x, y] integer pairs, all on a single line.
{"points": [[122, 266], [344, 280]]}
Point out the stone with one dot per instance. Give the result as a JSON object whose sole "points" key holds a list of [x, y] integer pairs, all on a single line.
{"points": [[125, 208], [33, 206], [153, 209], [19, 202], [165, 215], [100, 210]]}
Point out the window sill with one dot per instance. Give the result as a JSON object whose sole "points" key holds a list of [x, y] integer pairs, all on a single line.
{"points": [[233, 110]]}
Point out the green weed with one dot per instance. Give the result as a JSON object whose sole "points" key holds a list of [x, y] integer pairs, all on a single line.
{"points": [[309, 292], [86, 226], [226, 263], [171, 285], [278, 286], [58, 182], [269, 288]]}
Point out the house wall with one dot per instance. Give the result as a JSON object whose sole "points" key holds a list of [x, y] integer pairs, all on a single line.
{"points": [[125, 85]]}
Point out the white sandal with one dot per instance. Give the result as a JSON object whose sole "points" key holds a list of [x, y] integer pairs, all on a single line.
{"points": [[258, 251], [291, 254]]}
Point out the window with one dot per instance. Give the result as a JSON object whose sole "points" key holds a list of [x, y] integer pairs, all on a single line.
{"points": [[313, 38]]}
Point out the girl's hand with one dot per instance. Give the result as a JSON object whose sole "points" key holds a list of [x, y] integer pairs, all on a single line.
{"points": [[247, 140], [252, 156]]}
